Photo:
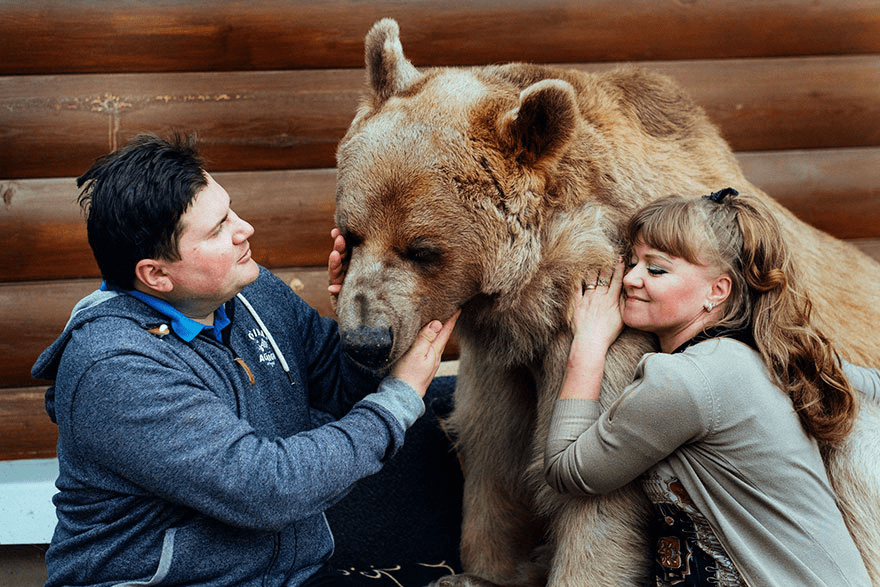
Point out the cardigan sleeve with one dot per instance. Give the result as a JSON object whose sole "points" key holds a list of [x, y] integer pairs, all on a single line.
{"points": [[592, 453], [864, 379]]}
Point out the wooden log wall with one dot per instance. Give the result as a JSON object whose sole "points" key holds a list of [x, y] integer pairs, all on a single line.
{"points": [[270, 86]]}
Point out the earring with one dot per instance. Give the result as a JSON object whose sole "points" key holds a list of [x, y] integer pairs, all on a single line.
{"points": [[708, 306]]}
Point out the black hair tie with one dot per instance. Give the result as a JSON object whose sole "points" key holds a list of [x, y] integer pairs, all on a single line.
{"points": [[719, 196]]}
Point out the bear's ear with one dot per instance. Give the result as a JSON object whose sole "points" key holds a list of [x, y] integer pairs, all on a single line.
{"points": [[543, 123], [388, 71]]}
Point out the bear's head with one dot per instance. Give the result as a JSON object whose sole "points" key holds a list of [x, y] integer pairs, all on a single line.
{"points": [[446, 182]]}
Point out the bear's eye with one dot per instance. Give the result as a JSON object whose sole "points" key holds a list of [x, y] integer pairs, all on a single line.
{"points": [[423, 253]]}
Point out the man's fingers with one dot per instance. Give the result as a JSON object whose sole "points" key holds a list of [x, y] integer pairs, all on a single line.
{"points": [[334, 260], [429, 332], [334, 272], [442, 336], [338, 240], [437, 334]]}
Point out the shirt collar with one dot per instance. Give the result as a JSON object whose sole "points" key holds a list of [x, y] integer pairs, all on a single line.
{"points": [[183, 326], [744, 335]]}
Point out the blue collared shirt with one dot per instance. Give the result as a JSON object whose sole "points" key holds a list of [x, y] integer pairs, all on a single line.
{"points": [[183, 326]]}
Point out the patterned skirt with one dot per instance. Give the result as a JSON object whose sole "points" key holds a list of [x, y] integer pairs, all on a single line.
{"points": [[687, 553]]}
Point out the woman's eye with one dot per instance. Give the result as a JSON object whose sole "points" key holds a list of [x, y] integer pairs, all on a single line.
{"points": [[654, 270]]}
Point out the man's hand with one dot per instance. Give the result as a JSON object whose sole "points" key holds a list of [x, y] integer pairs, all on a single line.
{"points": [[420, 363], [335, 271]]}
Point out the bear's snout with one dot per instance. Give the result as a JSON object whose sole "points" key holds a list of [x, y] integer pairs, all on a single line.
{"points": [[370, 347]]}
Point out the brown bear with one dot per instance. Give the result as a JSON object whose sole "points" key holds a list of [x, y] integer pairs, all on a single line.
{"points": [[497, 189]]}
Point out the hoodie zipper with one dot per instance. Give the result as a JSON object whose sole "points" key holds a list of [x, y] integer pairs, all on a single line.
{"points": [[275, 554]]}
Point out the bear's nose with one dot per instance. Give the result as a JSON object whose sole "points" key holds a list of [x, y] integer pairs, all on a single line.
{"points": [[370, 347]]}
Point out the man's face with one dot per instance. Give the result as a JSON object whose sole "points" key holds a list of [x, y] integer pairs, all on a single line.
{"points": [[215, 256]]}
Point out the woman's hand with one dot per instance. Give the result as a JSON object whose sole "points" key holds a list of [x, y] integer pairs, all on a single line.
{"points": [[419, 364], [597, 316], [596, 323]]}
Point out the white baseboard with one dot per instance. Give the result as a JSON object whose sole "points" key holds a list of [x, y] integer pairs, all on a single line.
{"points": [[27, 515]]}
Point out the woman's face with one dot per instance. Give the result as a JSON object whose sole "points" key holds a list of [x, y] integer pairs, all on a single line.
{"points": [[667, 295]]}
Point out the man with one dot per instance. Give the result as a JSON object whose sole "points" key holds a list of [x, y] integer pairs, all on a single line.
{"points": [[183, 391]]}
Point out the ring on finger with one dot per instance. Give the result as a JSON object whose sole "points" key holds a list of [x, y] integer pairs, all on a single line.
{"points": [[602, 283], [590, 286]]}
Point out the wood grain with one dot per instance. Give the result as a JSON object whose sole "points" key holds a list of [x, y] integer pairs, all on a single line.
{"points": [[28, 433], [108, 36], [270, 86], [836, 190], [55, 126]]}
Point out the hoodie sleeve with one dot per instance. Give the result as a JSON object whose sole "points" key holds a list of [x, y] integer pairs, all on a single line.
{"points": [[182, 443]]}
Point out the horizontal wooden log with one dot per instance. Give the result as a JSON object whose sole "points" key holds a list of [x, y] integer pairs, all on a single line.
{"points": [[58, 36], [28, 433], [836, 190], [869, 246], [55, 126], [246, 120], [292, 212]]}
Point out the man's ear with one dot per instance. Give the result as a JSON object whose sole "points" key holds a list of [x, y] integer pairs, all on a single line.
{"points": [[720, 290], [152, 275]]}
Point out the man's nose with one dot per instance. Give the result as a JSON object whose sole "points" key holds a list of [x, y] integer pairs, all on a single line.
{"points": [[247, 230], [243, 229]]}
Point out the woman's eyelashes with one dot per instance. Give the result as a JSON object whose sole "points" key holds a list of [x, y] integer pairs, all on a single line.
{"points": [[650, 268]]}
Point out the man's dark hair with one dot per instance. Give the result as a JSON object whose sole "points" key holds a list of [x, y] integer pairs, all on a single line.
{"points": [[133, 200]]}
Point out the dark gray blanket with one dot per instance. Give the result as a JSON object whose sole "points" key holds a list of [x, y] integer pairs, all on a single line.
{"points": [[403, 524]]}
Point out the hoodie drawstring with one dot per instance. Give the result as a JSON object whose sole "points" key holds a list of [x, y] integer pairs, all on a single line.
{"points": [[268, 334]]}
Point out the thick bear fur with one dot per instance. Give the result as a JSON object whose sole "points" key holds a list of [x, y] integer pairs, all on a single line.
{"points": [[497, 189]]}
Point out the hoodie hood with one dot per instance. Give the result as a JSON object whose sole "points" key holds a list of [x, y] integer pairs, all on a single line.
{"points": [[95, 305]]}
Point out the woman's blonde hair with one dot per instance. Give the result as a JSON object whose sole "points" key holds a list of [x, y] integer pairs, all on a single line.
{"points": [[738, 234]]}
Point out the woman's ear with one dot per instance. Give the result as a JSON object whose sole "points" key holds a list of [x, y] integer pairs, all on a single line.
{"points": [[720, 290], [151, 274]]}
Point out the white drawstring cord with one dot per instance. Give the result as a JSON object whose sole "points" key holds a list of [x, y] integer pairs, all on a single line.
{"points": [[268, 334]]}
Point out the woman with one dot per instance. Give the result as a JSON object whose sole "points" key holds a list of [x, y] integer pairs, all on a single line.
{"points": [[726, 426]]}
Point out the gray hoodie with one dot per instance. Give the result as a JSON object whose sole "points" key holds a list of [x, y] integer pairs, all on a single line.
{"points": [[197, 463]]}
